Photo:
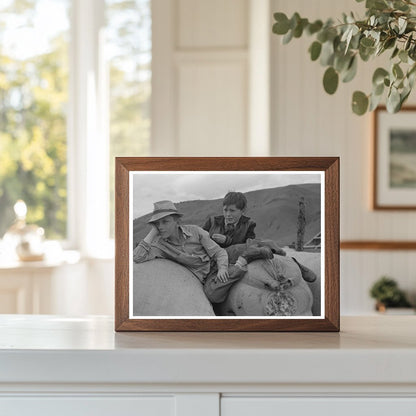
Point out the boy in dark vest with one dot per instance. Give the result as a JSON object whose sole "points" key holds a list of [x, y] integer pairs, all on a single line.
{"points": [[234, 228]]}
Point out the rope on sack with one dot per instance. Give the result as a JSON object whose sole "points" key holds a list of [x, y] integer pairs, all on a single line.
{"points": [[274, 270], [280, 302]]}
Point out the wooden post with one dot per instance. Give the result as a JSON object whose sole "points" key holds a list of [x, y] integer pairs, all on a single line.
{"points": [[301, 225]]}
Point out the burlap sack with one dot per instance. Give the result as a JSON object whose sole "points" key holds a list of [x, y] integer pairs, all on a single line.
{"points": [[270, 288], [164, 288]]}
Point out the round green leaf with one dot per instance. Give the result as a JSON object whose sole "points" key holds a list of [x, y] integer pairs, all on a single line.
{"points": [[288, 37], [366, 53], [389, 43], [315, 50], [294, 20], [397, 71], [281, 26], [412, 70], [412, 52], [403, 56], [376, 4], [378, 90], [408, 42], [367, 42], [411, 77], [330, 80], [332, 33], [342, 62], [374, 101], [327, 53], [359, 103], [403, 96], [355, 41], [400, 5], [395, 52], [351, 71], [298, 30], [322, 36], [314, 27], [379, 75], [393, 101]]}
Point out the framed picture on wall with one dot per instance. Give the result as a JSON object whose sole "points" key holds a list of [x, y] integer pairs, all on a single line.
{"points": [[227, 244], [394, 179]]}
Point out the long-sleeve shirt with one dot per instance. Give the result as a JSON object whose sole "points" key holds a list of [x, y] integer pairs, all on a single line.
{"points": [[194, 251]]}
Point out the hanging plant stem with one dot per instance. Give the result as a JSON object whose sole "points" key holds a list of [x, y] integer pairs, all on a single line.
{"points": [[388, 26]]}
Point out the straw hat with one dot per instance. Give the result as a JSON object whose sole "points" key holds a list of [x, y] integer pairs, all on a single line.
{"points": [[163, 209]]}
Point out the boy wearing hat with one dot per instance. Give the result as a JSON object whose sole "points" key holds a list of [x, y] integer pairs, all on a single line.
{"points": [[192, 247]]}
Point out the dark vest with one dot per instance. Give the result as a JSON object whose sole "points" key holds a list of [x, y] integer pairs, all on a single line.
{"points": [[243, 230]]}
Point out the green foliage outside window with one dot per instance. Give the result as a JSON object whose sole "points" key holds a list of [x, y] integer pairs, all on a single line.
{"points": [[33, 97], [129, 37], [34, 102]]}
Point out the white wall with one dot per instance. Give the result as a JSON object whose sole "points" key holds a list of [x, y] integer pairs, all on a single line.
{"points": [[308, 122], [210, 65], [200, 77]]}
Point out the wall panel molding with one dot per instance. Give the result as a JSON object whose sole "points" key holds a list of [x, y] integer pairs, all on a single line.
{"points": [[377, 245]]}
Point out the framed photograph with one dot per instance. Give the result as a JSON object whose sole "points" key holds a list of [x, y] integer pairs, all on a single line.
{"points": [[227, 244], [394, 181]]}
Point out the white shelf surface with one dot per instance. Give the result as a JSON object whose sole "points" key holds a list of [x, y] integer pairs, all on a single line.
{"points": [[53, 349]]}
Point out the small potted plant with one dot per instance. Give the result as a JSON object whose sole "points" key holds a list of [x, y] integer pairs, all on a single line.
{"points": [[387, 294]]}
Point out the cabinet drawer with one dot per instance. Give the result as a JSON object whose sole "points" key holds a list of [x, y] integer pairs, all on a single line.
{"points": [[87, 406], [273, 406]]}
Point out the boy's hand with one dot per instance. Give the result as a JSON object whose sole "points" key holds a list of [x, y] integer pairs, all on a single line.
{"points": [[153, 233], [222, 276], [219, 238]]}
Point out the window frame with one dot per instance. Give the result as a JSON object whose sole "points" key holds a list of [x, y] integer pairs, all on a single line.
{"points": [[88, 133]]}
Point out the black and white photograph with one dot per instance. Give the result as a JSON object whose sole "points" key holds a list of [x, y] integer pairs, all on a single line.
{"points": [[226, 244]]}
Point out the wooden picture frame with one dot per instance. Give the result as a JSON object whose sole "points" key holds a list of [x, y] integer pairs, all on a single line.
{"points": [[394, 159], [137, 182]]}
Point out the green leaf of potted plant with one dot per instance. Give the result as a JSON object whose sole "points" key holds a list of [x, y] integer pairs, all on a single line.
{"points": [[387, 294]]}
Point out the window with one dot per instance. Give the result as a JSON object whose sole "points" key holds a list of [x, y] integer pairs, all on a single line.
{"points": [[75, 86], [129, 46], [33, 98]]}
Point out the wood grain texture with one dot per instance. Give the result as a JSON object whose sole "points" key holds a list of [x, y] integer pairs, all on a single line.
{"points": [[330, 165], [376, 204], [121, 244], [332, 225]]}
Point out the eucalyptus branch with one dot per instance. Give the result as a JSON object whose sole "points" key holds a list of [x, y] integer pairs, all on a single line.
{"points": [[388, 26]]}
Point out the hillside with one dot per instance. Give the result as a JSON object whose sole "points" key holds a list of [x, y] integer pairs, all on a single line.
{"points": [[274, 210]]}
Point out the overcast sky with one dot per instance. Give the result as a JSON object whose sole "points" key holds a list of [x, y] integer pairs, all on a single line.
{"points": [[178, 187]]}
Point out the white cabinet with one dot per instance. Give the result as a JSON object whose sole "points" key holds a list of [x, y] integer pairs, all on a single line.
{"points": [[88, 406], [25, 291], [324, 406], [66, 285], [38, 287], [79, 366]]}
